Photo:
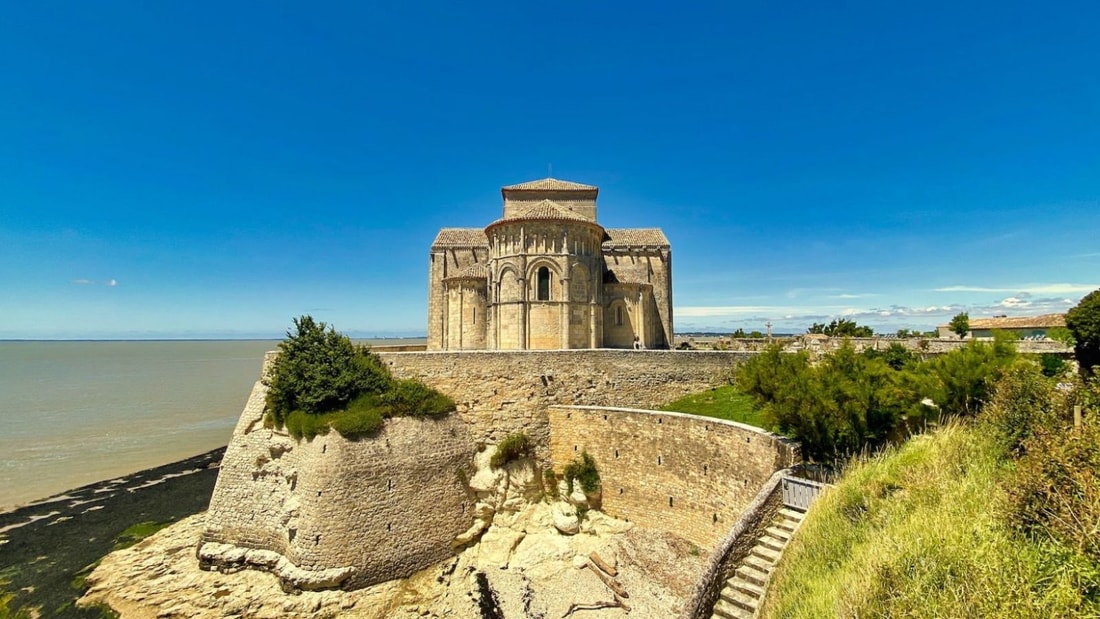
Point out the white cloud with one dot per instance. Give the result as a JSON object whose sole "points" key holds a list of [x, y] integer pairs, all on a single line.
{"points": [[83, 282], [1026, 288], [111, 282], [864, 295]]}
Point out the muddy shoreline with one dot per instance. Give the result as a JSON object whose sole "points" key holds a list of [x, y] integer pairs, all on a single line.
{"points": [[45, 546]]}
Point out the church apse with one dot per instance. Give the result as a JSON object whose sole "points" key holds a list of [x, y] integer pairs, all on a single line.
{"points": [[547, 276]]}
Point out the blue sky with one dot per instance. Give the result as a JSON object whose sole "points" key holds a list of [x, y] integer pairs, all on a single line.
{"points": [[214, 169]]}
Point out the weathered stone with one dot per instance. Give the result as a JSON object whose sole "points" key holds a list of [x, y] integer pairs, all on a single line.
{"points": [[565, 518]]}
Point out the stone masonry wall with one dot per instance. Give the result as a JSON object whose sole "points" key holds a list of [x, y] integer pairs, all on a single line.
{"points": [[683, 474], [384, 506], [501, 392]]}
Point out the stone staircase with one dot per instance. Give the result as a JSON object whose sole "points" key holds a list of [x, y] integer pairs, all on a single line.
{"points": [[744, 592]]}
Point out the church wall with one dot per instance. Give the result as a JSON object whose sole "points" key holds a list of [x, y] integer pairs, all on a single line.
{"points": [[466, 318], [544, 325], [617, 335], [445, 262], [508, 327]]}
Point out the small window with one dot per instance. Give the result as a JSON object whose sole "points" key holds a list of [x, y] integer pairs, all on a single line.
{"points": [[619, 316], [473, 315], [543, 291]]}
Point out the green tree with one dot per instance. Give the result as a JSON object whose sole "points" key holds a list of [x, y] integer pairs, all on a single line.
{"points": [[896, 355], [960, 324], [846, 402], [842, 327], [739, 333], [319, 370], [1083, 321], [959, 382]]}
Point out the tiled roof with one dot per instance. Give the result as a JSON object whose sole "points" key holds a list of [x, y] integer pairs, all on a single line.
{"points": [[547, 209], [461, 237], [627, 274], [473, 271], [549, 184], [633, 237], [1045, 321]]}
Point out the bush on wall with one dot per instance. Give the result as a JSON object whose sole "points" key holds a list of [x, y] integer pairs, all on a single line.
{"points": [[320, 380]]}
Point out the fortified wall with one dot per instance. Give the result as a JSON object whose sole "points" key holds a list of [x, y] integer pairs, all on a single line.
{"points": [[501, 392], [683, 474], [333, 512]]}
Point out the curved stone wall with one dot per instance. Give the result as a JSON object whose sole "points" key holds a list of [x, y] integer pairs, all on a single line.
{"points": [[683, 474], [350, 513]]}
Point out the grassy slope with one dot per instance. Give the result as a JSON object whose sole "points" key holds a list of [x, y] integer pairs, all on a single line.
{"points": [[724, 402], [916, 533]]}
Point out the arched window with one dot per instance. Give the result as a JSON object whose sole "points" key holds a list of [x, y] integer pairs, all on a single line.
{"points": [[542, 293]]}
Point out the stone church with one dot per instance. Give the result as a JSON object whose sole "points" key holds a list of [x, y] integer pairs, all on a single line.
{"points": [[546, 275]]}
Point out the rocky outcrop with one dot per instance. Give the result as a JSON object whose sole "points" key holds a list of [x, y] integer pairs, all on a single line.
{"points": [[517, 560]]}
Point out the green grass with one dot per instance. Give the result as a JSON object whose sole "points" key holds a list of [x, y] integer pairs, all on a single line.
{"points": [[720, 402], [919, 531]]}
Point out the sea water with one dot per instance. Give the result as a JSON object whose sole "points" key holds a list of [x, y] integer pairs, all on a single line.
{"points": [[73, 413]]}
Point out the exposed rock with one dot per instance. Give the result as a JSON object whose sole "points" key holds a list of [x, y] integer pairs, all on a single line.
{"points": [[565, 518]]}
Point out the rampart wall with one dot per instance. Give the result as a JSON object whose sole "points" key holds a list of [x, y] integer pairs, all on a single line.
{"points": [[501, 392], [349, 513], [683, 474]]}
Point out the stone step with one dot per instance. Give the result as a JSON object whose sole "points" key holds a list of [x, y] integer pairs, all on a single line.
{"points": [[752, 575], [786, 525], [725, 610], [761, 564], [739, 598], [747, 587], [781, 534], [765, 553], [771, 543], [791, 514]]}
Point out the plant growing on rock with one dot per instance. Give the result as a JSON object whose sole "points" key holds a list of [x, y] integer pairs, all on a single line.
{"points": [[513, 447], [584, 470]]}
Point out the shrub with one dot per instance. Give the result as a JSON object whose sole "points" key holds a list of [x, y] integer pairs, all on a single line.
{"points": [[1083, 322], [363, 416], [960, 381], [301, 424], [412, 397], [847, 402], [513, 447], [319, 370], [584, 470], [1023, 402], [1052, 364], [1056, 490], [320, 380]]}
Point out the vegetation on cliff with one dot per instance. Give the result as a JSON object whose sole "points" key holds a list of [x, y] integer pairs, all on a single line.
{"points": [[991, 516], [320, 380], [513, 447]]}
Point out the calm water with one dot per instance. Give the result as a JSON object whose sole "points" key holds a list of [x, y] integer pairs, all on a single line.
{"points": [[72, 413]]}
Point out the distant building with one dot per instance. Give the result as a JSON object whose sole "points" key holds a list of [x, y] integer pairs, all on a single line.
{"points": [[1024, 327], [546, 275]]}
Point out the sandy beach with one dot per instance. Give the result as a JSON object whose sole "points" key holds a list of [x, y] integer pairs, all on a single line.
{"points": [[47, 546]]}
